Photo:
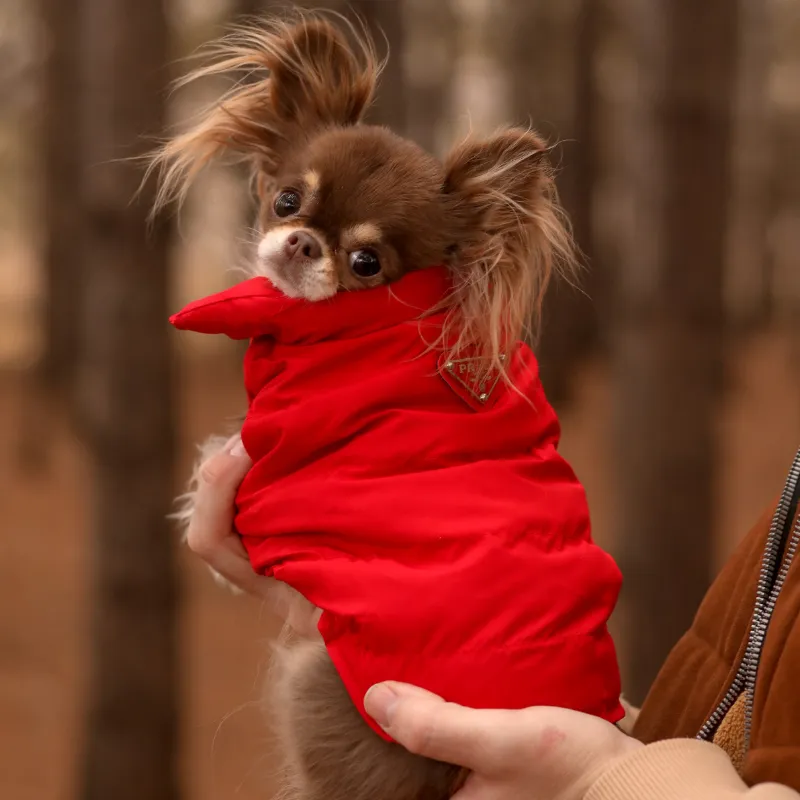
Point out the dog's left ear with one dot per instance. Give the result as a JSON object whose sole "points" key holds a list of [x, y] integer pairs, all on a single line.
{"points": [[292, 78], [317, 78], [510, 232]]}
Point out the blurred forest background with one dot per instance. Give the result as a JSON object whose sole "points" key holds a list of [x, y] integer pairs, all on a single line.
{"points": [[124, 672]]}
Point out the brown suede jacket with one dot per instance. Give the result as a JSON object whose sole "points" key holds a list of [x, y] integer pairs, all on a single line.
{"points": [[734, 678]]}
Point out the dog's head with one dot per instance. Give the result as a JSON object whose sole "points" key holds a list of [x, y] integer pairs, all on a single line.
{"points": [[345, 206], [353, 207]]}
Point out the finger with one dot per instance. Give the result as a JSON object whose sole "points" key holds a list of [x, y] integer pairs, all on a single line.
{"points": [[248, 580], [303, 617], [425, 724], [230, 561], [214, 501], [233, 542], [228, 466], [237, 570]]}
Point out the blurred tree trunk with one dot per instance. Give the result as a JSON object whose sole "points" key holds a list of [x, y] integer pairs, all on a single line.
{"points": [[747, 285], [127, 415], [784, 275], [251, 8], [62, 222], [550, 61], [62, 233], [385, 21], [430, 57], [584, 152], [668, 336]]}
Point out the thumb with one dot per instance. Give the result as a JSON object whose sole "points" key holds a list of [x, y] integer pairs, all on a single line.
{"points": [[427, 725], [225, 469]]}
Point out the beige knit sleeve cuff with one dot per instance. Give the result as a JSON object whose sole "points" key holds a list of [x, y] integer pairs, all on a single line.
{"points": [[679, 769]]}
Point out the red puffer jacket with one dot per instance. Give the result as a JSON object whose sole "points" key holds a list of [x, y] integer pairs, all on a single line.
{"points": [[431, 519]]}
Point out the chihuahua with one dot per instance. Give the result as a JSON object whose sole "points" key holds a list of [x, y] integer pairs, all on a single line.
{"points": [[343, 207]]}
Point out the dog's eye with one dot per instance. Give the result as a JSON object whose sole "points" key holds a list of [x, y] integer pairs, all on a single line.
{"points": [[287, 203], [365, 263]]}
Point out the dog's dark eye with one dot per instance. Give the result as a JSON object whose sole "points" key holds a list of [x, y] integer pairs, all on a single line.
{"points": [[365, 263], [287, 203]]}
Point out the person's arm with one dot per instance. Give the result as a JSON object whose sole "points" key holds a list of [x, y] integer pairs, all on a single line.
{"points": [[679, 769], [555, 753]]}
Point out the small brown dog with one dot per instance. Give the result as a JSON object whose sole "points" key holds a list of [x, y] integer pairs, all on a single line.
{"points": [[346, 206]]}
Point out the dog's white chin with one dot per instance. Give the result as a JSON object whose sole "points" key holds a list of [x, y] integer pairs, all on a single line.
{"points": [[312, 287], [281, 285]]}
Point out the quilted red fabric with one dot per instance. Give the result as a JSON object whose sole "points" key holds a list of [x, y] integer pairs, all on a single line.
{"points": [[432, 519]]}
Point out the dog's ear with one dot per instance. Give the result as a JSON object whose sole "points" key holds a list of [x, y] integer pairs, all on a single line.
{"points": [[511, 235], [497, 183], [293, 78], [316, 78]]}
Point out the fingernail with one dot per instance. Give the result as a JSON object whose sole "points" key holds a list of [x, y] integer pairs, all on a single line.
{"points": [[380, 702], [238, 449]]}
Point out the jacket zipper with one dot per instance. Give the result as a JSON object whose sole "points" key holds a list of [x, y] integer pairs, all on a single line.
{"points": [[779, 551]]}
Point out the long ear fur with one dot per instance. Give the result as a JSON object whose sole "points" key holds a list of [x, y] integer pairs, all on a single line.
{"points": [[294, 77], [513, 237]]}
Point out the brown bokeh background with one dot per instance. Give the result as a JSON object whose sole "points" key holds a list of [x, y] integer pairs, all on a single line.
{"points": [[695, 371]]}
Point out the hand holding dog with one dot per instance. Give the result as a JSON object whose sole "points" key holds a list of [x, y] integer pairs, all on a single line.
{"points": [[211, 536], [534, 753]]}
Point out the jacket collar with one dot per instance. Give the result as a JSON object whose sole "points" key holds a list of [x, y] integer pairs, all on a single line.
{"points": [[256, 308]]}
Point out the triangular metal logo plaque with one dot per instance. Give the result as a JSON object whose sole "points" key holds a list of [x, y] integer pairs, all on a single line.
{"points": [[470, 378]]}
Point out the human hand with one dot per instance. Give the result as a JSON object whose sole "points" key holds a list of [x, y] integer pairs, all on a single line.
{"points": [[538, 753], [210, 533], [211, 536]]}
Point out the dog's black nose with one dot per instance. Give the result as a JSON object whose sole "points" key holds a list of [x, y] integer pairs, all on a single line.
{"points": [[301, 244]]}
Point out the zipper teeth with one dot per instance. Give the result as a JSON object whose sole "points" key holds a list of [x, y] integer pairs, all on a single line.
{"points": [[765, 603], [734, 690], [755, 659]]}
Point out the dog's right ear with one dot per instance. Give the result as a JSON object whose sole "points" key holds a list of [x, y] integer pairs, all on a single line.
{"points": [[294, 78]]}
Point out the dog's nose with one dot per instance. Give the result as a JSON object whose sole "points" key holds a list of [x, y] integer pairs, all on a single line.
{"points": [[302, 244]]}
